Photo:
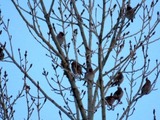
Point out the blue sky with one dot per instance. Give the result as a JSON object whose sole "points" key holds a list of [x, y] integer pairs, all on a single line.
{"points": [[22, 39]]}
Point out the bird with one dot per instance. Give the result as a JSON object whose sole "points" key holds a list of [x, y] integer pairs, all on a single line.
{"points": [[109, 100], [146, 87], [118, 94], [1, 53], [118, 79], [89, 75], [76, 68], [130, 12], [60, 37]]}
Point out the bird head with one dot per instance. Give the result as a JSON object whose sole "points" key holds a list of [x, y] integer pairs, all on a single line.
{"points": [[129, 7], [148, 81], [61, 33]]}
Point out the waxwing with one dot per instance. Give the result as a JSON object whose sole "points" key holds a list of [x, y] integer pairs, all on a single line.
{"points": [[89, 75], [110, 100], [1, 54], [118, 79], [60, 38], [130, 12], [146, 87], [118, 94], [76, 68]]}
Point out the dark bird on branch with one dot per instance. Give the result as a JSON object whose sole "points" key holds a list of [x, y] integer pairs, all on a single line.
{"points": [[118, 79], [89, 75], [60, 38], [1, 53], [130, 12], [110, 100], [146, 87], [76, 68], [118, 94]]}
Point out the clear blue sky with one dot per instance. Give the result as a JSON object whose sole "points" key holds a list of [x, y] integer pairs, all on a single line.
{"points": [[22, 39]]}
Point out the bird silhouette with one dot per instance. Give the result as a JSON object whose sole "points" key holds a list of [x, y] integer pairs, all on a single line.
{"points": [[146, 87], [89, 75], [130, 12], [60, 38], [1, 53], [110, 100], [76, 68], [118, 94], [118, 79]]}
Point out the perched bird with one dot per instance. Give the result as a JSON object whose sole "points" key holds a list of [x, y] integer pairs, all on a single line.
{"points": [[130, 12], [118, 79], [118, 94], [1, 53], [60, 38], [89, 75], [146, 87], [76, 68], [110, 100]]}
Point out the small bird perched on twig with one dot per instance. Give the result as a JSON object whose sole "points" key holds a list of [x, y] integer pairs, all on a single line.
{"points": [[110, 100], [60, 38], [118, 94], [89, 75], [118, 79], [76, 68], [146, 87], [130, 12], [1, 53]]}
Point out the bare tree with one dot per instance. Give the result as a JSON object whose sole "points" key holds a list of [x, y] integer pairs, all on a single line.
{"points": [[92, 51]]}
